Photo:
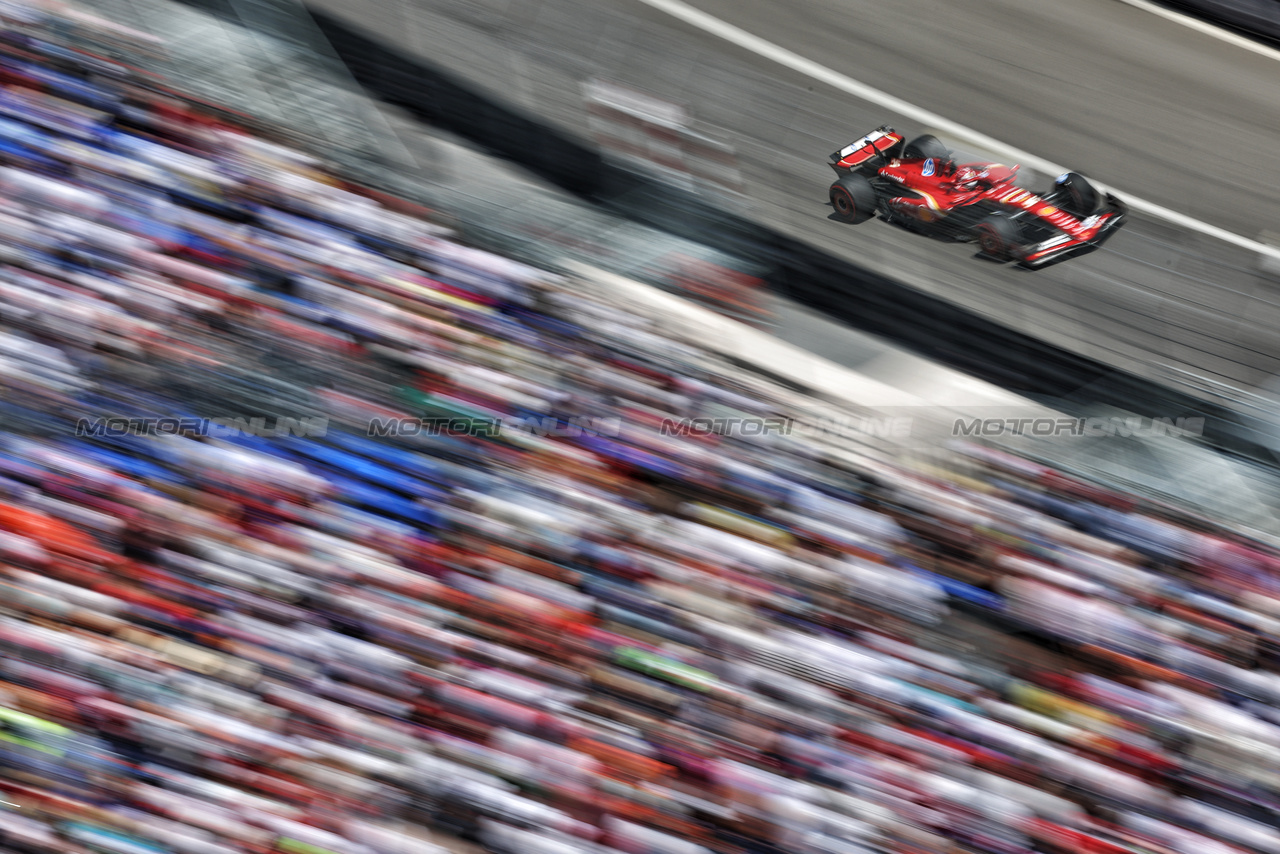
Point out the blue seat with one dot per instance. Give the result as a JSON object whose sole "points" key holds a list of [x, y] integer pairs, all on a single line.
{"points": [[636, 457], [962, 591], [365, 469], [381, 501], [415, 464], [127, 464]]}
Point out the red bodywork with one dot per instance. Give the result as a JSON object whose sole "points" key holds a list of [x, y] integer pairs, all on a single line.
{"points": [[933, 188], [940, 193], [938, 188]]}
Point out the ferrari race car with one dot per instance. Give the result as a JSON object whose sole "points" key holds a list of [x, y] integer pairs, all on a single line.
{"points": [[919, 186]]}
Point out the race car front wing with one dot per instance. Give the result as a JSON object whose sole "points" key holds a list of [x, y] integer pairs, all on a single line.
{"points": [[1037, 256]]}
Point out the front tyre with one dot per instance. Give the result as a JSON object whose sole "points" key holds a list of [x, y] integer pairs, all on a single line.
{"points": [[998, 237], [1077, 195], [853, 198]]}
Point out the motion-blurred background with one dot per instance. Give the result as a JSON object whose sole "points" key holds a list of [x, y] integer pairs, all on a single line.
{"points": [[458, 424]]}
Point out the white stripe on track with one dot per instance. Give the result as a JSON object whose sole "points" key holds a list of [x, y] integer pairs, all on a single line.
{"points": [[1202, 27], [776, 53]]}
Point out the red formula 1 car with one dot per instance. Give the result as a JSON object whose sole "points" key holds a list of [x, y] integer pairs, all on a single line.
{"points": [[919, 186]]}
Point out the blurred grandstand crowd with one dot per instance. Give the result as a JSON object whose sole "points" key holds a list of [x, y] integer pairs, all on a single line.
{"points": [[644, 643]]}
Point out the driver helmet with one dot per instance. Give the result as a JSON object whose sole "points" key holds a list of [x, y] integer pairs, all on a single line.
{"points": [[966, 178]]}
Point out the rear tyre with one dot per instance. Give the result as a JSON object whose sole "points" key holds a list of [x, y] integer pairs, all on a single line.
{"points": [[926, 146], [998, 237], [853, 198], [1077, 195]]}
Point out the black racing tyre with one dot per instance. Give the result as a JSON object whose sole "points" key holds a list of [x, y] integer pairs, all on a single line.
{"points": [[998, 237], [1077, 195], [926, 146], [853, 198]]}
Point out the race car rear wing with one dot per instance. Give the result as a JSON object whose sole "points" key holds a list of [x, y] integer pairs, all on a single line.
{"points": [[881, 142]]}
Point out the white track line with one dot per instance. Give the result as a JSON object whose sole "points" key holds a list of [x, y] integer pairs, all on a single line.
{"points": [[809, 68], [1202, 27]]}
